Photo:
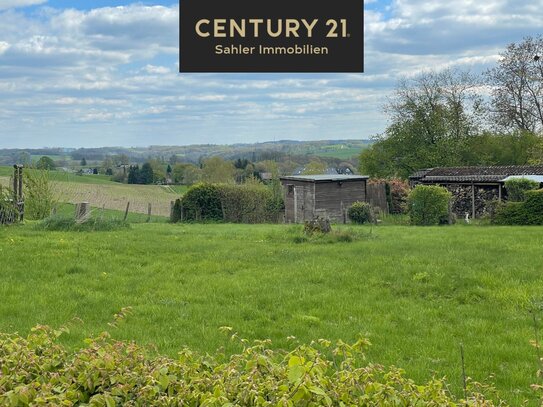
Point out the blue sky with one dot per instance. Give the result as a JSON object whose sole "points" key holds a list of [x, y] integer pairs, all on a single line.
{"points": [[104, 73]]}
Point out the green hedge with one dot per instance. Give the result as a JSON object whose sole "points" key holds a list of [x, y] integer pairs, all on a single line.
{"points": [[428, 205], [528, 212], [202, 202], [249, 203], [533, 205], [246, 203], [38, 371]]}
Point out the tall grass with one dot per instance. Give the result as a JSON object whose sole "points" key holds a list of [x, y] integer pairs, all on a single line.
{"points": [[39, 195]]}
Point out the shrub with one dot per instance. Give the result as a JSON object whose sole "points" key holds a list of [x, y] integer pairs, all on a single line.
{"points": [[428, 205], [528, 212], [517, 188], [202, 202], [176, 212], [40, 371], [69, 224], [360, 213], [511, 213], [319, 226], [397, 193]]}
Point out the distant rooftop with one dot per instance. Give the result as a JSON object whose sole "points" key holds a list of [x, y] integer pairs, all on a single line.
{"points": [[325, 178]]}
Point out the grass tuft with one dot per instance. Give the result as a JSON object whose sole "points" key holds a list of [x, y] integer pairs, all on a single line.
{"points": [[69, 224], [336, 236]]}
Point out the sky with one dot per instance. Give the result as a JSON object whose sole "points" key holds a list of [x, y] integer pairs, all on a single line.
{"points": [[105, 73]]}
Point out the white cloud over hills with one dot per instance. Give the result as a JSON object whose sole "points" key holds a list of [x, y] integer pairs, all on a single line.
{"points": [[108, 76]]}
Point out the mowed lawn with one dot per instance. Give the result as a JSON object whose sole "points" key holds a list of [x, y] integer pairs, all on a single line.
{"points": [[416, 293]]}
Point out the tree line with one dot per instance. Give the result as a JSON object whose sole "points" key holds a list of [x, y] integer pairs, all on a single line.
{"points": [[454, 118]]}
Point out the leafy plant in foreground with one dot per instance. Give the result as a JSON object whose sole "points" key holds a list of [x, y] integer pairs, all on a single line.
{"points": [[36, 370]]}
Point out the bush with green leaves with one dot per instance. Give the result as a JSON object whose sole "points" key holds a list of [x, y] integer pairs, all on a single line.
{"points": [[202, 202], [517, 188], [38, 371], [428, 205], [39, 194], [397, 193], [360, 213], [528, 212]]}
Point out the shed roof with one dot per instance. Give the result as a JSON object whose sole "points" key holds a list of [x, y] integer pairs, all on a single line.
{"points": [[325, 178], [476, 174]]}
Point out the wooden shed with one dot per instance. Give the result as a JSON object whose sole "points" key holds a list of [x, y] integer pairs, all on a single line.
{"points": [[309, 196]]}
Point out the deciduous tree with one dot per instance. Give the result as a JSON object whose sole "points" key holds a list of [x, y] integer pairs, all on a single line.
{"points": [[517, 87]]}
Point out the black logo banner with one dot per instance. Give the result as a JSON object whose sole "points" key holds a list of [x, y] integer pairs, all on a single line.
{"points": [[271, 36]]}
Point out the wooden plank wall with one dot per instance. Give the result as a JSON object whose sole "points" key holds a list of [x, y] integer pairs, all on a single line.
{"points": [[334, 198], [377, 196]]}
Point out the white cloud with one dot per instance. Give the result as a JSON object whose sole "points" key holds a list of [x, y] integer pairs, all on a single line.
{"points": [[160, 70], [7, 4], [4, 46]]}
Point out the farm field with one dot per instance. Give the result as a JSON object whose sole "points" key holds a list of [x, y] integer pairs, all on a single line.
{"points": [[100, 192], [68, 210], [416, 293]]}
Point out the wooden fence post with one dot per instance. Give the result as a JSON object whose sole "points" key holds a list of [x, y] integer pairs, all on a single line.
{"points": [[82, 212], [126, 211], [149, 209]]}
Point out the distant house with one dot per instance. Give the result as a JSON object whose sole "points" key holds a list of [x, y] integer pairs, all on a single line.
{"points": [[309, 196], [474, 187]]}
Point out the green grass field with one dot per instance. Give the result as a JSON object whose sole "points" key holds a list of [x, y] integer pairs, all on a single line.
{"points": [[341, 153], [416, 293], [63, 176]]}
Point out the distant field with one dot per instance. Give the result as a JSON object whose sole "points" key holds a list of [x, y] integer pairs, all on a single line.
{"points": [[65, 176], [116, 196], [343, 154], [416, 293], [100, 191]]}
